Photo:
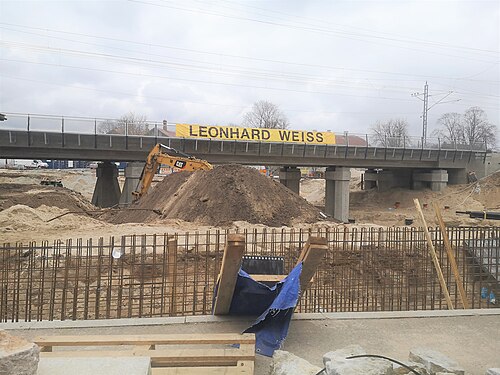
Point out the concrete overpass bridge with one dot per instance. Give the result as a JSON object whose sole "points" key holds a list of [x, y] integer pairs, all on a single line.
{"points": [[409, 166]]}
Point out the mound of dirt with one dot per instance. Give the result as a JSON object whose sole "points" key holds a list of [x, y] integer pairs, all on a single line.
{"points": [[220, 197], [489, 191], [23, 218], [37, 195]]}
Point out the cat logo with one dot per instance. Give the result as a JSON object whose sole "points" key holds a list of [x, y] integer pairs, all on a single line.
{"points": [[180, 164]]}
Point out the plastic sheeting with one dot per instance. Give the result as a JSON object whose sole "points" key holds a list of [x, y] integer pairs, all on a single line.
{"points": [[274, 305]]}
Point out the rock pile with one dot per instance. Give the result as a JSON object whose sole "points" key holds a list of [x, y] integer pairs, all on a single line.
{"points": [[421, 360]]}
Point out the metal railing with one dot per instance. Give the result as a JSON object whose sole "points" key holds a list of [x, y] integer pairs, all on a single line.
{"points": [[365, 269], [82, 125]]}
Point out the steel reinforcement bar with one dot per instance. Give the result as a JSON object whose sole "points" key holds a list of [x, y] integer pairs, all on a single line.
{"points": [[365, 269]]}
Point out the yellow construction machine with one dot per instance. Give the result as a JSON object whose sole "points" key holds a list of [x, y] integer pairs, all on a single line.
{"points": [[158, 157]]}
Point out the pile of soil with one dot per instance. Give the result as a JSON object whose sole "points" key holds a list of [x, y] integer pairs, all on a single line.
{"points": [[219, 197], [37, 195]]}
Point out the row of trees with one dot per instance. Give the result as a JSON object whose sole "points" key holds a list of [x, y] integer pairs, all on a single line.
{"points": [[470, 128]]}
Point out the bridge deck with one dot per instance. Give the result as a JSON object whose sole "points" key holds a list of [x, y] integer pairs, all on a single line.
{"points": [[21, 144]]}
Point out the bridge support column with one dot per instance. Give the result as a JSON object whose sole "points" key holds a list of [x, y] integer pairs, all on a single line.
{"points": [[370, 179], [457, 176], [436, 179], [290, 177], [107, 189], [337, 193], [133, 172]]}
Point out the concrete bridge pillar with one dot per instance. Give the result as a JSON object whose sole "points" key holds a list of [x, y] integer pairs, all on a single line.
{"points": [[107, 189], [370, 179], [436, 179], [457, 176], [290, 177], [133, 172], [337, 193]]}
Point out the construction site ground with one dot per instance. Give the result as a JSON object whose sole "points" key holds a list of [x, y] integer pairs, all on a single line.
{"points": [[469, 337], [28, 210]]}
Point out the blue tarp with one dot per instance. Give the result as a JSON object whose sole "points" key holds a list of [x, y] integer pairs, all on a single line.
{"points": [[274, 305]]}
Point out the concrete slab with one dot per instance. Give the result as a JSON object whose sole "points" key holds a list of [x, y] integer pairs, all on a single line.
{"points": [[470, 338], [95, 366]]}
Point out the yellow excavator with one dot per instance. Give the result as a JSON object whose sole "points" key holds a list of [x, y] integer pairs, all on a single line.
{"points": [[158, 157]]}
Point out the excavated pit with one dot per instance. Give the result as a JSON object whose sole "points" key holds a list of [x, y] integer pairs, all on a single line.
{"points": [[219, 197]]}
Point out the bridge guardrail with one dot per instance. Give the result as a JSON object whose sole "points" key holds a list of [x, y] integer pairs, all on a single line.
{"points": [[68, 126]]}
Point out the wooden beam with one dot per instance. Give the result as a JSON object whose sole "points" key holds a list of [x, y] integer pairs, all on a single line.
{"points": [[311, 256], [156, 339], [166, 357], [451, 257], [268, 278], [231, 263], [241, 368], [435, 259]]}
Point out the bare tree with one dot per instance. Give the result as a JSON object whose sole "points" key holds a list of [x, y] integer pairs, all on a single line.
{"points": [[130, 123], [451, 128], [267, 115], [391, 133], [477, 129]]}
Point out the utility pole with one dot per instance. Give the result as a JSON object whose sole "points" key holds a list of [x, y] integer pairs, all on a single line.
{"points": [[425, 98]]}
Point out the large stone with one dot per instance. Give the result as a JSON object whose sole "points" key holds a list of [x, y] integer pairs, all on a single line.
{"points": [[435, 362], [401, 370], [285, 363], [337, 364], [341, 354], [17, 356], [493, 371]]}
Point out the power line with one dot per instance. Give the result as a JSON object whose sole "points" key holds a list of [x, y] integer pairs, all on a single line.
{"points": [[233, 56], [371, 31], [310, 29]]}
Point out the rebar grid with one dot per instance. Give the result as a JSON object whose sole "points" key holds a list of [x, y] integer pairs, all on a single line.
{"points": [[365, 269]]}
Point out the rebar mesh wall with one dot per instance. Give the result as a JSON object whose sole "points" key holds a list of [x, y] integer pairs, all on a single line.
{"points": [[365, 269]]}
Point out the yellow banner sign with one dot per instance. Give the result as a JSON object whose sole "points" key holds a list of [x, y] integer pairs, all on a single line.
{"points": [[254, 134]]}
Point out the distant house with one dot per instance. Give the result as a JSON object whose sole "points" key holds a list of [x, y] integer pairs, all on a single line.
{"points": [[354, 140], [161, 131]]}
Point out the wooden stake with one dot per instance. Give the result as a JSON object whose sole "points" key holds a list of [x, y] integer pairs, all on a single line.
{"points": [[434, 256], [311, 256], [451, 257], [231, 263]]}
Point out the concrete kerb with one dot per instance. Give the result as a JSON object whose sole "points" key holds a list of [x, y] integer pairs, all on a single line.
{"points": [[221, 319]]}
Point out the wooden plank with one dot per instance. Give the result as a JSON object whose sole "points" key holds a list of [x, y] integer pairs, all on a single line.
{"points": [[231, 263], [268, 278], [226, 370], [163, 357], [159, 339], [435, 259], [451, 257], [311, 256]]}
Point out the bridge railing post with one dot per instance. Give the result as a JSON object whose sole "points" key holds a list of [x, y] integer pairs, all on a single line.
{"points": [[95, 133], [29, 132], [62, 131], [126, 135]]}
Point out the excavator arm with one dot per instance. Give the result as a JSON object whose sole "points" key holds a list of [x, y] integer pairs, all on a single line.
{"points": [[157, 157]]}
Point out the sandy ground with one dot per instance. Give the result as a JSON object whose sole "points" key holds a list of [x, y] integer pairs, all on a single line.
{"points": [[27, 222], [469, 340]]}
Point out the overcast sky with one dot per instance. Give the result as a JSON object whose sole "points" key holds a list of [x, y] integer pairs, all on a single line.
{"points": [[329, 65]]}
